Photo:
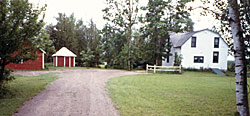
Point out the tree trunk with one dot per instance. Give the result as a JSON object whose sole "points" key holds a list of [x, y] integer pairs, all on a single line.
{"points": [[2, 71], [240, 62]]}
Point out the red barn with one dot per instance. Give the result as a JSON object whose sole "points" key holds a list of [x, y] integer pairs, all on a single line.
{"points": [[64, 57], [37, 64]]}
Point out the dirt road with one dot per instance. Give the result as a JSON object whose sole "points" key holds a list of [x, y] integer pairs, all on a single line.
{"points": [[78, 93]]}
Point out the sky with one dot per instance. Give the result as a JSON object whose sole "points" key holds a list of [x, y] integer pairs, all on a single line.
{"points": [[92, 9]]}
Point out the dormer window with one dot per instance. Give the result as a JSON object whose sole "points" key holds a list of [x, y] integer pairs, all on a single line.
{"points": [[193, 42], [216, 42]]}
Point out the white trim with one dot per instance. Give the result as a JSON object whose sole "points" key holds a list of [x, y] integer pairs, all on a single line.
{"points": [[69, 61], [56, 61], [64, 61], [43, 60]]}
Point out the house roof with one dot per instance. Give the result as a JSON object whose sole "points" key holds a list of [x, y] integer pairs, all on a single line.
{"points": [[178, 39], [64, 52]]}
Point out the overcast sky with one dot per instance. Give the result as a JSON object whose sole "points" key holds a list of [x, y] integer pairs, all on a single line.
{"points": [[92, 9]]}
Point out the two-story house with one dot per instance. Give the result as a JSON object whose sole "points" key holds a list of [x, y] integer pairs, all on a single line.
{"points": [[199, 49]]}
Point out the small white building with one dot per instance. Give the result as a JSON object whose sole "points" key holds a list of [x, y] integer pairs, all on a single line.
{"points": [[64, 58], [199, 49]]}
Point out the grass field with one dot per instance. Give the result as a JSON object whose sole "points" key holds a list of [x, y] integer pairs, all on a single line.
{"points": [[23, 89], [189, 94]]}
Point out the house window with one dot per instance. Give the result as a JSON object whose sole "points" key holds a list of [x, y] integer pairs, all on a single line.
{"points": [[21, 61], [198, 59], [193, 42], [216, 42], [215, 57]]}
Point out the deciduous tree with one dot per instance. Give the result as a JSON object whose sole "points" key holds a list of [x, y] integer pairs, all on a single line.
{"points": [[19, 26]]}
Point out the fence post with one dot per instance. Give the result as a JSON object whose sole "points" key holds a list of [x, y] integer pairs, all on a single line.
{"points": [[154, 68], [147, 68], [180, 68]]}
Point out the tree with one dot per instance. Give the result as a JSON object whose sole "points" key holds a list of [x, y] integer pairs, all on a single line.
{"points": [[112, 43], [239, 55], [76, 36], [19, 25], [161, 18], [123, 14], [235, 22], [45, 44], [87, 57]]}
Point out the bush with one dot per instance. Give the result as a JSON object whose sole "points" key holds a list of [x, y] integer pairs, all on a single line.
{"points": [[177, 59], [7, 77], [231, 67]]}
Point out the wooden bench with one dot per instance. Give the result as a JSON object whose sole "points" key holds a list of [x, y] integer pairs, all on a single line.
{"points": [[163, 68]]}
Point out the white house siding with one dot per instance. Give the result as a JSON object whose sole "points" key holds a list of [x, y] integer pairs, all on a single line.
{"points": [[204, 47]]}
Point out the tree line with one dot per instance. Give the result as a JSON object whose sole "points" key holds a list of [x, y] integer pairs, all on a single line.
{"points": [[128, 39]]}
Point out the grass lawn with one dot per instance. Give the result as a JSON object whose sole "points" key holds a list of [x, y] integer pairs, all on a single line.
{"points": [[23, 89], [189, 94]]}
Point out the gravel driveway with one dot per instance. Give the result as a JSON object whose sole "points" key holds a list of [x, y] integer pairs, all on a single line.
{"points": [[78, 93]]}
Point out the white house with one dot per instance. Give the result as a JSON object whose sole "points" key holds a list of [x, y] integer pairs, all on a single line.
{"points": [[199, 49]]}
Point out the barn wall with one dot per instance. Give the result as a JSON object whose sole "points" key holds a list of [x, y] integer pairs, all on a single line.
{"points": [[28, 65]]}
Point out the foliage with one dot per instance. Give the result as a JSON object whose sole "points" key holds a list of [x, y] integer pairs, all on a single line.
{"points": [[157, 25], [177, 59], [45, 44], [192, 93], [122, 16], [23, 88], [87, 57], [19, 27], [126, 47], [76, 36], [231, 67]]}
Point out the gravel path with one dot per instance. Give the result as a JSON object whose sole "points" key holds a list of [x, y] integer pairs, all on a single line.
{"points": [[78, 93]]}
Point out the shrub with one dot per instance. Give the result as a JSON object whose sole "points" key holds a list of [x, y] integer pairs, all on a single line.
{"points": [[177, 59], [231, 67]]}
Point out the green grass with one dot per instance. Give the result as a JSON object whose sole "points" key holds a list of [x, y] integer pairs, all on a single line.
{"points": [[23, 89], [189, 94]]}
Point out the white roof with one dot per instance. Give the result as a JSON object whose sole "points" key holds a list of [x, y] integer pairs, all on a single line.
{"points": [[64, 52]]}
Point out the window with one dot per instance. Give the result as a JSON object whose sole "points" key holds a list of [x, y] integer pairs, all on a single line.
{"points": [[198, 59], [215, 57], [193, 42], [21, 61], [216, 42]]}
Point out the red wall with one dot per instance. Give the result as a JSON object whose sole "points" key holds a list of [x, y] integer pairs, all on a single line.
{"points": [[60, 61], [66, 61], [28, 65], [72, 61]]}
